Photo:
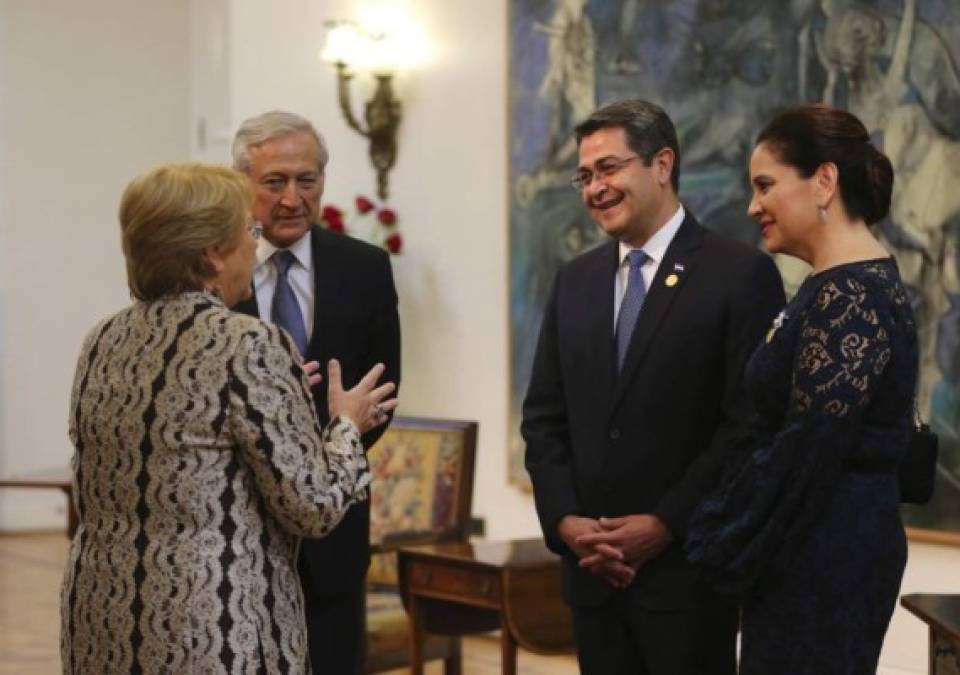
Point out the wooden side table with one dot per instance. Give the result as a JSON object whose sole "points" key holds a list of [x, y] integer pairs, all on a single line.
{"points": [[942, 614], [457, 589], [59, 479]]}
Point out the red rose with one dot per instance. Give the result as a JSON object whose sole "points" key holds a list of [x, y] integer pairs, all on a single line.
{"points": [[387, 216], [334, 223], [331, 212], [394, 242], [364, 205]]}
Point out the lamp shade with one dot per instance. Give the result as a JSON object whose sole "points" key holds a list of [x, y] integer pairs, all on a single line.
{"points": [[374, 48], [345, 44]]}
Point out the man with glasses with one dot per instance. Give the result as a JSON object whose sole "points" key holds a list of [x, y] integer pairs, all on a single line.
{"points": [[634, 394], [336, 298]]}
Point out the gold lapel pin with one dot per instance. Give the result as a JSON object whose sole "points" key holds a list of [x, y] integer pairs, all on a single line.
{"points": [[672, 280]]}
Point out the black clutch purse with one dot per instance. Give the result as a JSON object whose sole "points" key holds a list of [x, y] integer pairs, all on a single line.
{"points": [[918, 467]]}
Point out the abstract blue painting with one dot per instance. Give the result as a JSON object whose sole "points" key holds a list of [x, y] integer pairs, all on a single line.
{"points": [[721, 68]]}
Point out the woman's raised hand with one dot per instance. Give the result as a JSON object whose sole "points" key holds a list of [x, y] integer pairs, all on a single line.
{"points": [[366, 404]]}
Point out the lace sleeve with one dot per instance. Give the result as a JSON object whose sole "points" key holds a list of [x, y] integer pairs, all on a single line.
{"points": [[308, 478], [774, 488]]}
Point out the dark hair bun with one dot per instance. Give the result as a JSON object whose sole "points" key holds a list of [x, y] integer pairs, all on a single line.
{"points": [[808, 135], [879, 187]]}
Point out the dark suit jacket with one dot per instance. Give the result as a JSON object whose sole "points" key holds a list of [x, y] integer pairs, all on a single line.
{"points": [[356, 322], [649, 439]]}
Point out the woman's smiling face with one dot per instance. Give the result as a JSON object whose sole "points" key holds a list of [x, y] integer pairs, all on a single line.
{"points": [[783, 203]]}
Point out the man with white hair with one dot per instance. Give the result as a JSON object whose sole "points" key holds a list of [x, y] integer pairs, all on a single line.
{"points": [[336, 298]]}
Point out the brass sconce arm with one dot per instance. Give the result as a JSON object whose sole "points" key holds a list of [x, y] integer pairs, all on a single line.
{"points": [[382, 115]]}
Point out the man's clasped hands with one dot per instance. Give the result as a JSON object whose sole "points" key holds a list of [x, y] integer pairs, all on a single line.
{"points": [[615, 548]]}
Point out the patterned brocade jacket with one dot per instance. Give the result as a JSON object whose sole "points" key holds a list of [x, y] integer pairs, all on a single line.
{"points": [[199, 463]]}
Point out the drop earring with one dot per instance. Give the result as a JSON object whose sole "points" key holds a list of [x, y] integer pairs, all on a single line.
{"points": [[822, 213]]}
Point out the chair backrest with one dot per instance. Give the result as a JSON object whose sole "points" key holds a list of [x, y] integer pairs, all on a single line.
{"points": [[422, 490]]}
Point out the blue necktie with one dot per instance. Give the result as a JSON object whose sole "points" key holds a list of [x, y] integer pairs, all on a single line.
{"points": [[286, 310], [632, 302]]}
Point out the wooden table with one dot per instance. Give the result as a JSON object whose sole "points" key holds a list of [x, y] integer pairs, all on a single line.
{"points": [[942, 614], [457, 589], [59, 479]]}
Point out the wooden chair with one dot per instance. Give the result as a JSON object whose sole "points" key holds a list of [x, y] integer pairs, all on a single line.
{"points": [[422, 493]]}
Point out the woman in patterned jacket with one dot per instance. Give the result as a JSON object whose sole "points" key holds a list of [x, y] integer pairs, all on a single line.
{"points": [[199, 461], [805, 523]]}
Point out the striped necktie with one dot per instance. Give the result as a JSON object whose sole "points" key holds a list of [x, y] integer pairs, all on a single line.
{"points": [[631, 305], [286, 310]]}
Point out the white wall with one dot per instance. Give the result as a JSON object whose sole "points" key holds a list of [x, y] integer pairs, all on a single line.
{"points": [[93, 93]]}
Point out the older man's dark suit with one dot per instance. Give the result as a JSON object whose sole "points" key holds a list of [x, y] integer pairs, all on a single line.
{"points": [[356, 322], [646, 440]]}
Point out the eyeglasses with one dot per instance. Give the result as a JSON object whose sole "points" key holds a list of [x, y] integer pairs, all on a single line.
{"points": [[255, 229], [605, 168]]}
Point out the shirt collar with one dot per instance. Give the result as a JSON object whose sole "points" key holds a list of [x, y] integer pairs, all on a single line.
{"points": [[300, 250], [656, 246]]}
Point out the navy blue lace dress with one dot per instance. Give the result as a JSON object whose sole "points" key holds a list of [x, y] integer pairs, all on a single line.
{"points": [[804, 524]]}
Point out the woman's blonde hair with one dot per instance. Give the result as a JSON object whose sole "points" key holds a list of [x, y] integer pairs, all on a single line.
{"points": [[170, 215]]}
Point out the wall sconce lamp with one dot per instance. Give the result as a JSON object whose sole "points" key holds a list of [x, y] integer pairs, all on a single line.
{"points": [[351, 48]]}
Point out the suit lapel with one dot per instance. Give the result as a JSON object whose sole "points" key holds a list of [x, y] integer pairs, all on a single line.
{"points": [[598, 315], [677, 265], [326, 290]]}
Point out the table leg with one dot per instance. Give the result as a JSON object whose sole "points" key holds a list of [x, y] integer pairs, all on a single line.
{"points": [[453, 664], [416, 637], [508, 647]]}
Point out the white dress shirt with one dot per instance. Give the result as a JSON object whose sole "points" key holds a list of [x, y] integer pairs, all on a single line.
{"points": [[655, 249], [300, 276]]}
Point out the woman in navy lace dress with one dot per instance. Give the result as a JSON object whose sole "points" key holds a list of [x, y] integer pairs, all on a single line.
{"points": [[804, 524]]}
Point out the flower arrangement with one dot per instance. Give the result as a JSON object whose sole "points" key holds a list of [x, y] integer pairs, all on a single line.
{"points": [[376, 224]]}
